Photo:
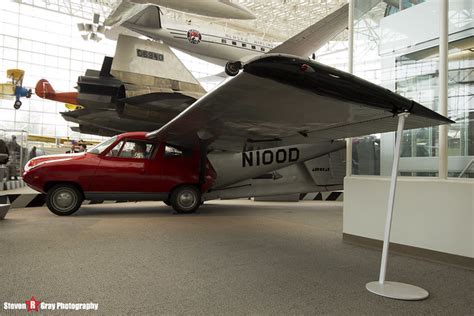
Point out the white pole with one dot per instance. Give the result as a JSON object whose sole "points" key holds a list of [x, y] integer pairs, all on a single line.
{"points": [[443, 88], [391, 198], [350, 64], [350, 69], [395, 290]]}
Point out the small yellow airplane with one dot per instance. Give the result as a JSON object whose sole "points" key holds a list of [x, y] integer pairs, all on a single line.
{"points": [[14, 89], [73, 107]]}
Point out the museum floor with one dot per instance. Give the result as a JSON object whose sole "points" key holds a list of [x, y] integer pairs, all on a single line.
{"points": [[234, 257]]}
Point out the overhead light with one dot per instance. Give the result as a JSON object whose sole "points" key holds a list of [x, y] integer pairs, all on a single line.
{"points": [[92, 31]]}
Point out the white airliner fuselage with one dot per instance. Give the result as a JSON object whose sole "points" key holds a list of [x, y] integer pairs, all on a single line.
{"points": [[205, 42]]}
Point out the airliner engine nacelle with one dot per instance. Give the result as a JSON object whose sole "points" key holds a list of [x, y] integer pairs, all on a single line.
{"points": [[233, 68]]}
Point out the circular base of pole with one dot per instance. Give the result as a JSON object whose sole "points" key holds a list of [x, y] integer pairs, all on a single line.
{"points": [[398, 291]]}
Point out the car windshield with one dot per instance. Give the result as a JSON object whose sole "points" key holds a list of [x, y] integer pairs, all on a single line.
{"points": [[97, 150]]}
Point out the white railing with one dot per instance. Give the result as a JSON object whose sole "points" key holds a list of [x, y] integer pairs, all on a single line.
{"points": [[468, 166]]}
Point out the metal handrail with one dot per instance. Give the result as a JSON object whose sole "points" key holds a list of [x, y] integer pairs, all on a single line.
{"points": [[468, 166]]}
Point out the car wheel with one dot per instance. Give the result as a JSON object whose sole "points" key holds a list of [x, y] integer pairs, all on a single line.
{"points": [[185, 199], [64, 199]]}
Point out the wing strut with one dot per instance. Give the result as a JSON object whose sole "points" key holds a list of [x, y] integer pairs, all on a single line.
{"points": [[396, 290]]}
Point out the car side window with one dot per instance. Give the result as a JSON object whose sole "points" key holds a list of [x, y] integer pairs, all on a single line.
{"points": [[132, 149], [136, 149], [173, 151]]}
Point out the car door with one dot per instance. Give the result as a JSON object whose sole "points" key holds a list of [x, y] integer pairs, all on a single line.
{"points": [[177, 166], [128, 167]]}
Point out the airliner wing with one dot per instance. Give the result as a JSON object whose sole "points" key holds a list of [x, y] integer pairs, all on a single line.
{"points": [[314, 37], [293, 101]]}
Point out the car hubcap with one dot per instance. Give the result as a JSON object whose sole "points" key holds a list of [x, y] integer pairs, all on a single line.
{"points": [[187, 200], [64, 200]]}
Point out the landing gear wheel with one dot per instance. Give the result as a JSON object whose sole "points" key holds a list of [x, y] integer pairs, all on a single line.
{"points": [[17, 104], [64, 199], [185, 199]]}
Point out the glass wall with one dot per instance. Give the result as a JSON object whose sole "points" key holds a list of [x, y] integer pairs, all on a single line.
{"points": [[46, 44], [407, 60], [366, 151]]}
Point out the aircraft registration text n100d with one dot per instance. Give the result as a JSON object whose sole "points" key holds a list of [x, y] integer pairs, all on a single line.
{"points": [[267, 157]]}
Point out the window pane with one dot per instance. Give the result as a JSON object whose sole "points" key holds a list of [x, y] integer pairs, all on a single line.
{"points": [[136, 149], [114, 152]]}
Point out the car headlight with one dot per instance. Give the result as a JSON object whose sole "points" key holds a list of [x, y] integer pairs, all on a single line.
{"points": [[31, 164]]}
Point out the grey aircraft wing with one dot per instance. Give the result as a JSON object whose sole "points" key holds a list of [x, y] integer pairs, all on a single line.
{"points": [[293, 101]]}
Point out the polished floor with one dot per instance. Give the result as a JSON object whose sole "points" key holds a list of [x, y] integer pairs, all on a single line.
{"points": [[234, 257]]}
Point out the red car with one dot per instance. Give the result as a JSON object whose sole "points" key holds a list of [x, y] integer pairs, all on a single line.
{"points": [[125, 167]]}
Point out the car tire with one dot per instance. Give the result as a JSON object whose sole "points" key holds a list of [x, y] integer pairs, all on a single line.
{"points": [[64, 199], [185, 199]]}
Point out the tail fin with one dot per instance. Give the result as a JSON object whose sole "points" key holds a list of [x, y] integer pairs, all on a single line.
{"points": [[150, 17], [44, 89], [139, 14]]}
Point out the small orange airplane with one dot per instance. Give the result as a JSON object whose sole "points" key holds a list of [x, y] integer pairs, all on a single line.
{"points": [[44, 90]]}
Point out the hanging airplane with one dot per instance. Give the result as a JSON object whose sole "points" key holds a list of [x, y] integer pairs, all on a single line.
{"points": [[220, 46], [15, 89], [44, 90], [142, 88]]}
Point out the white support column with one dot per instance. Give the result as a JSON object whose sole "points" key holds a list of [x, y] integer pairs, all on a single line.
{"points": [[443, 88], [394, 290], [350, 69]]}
